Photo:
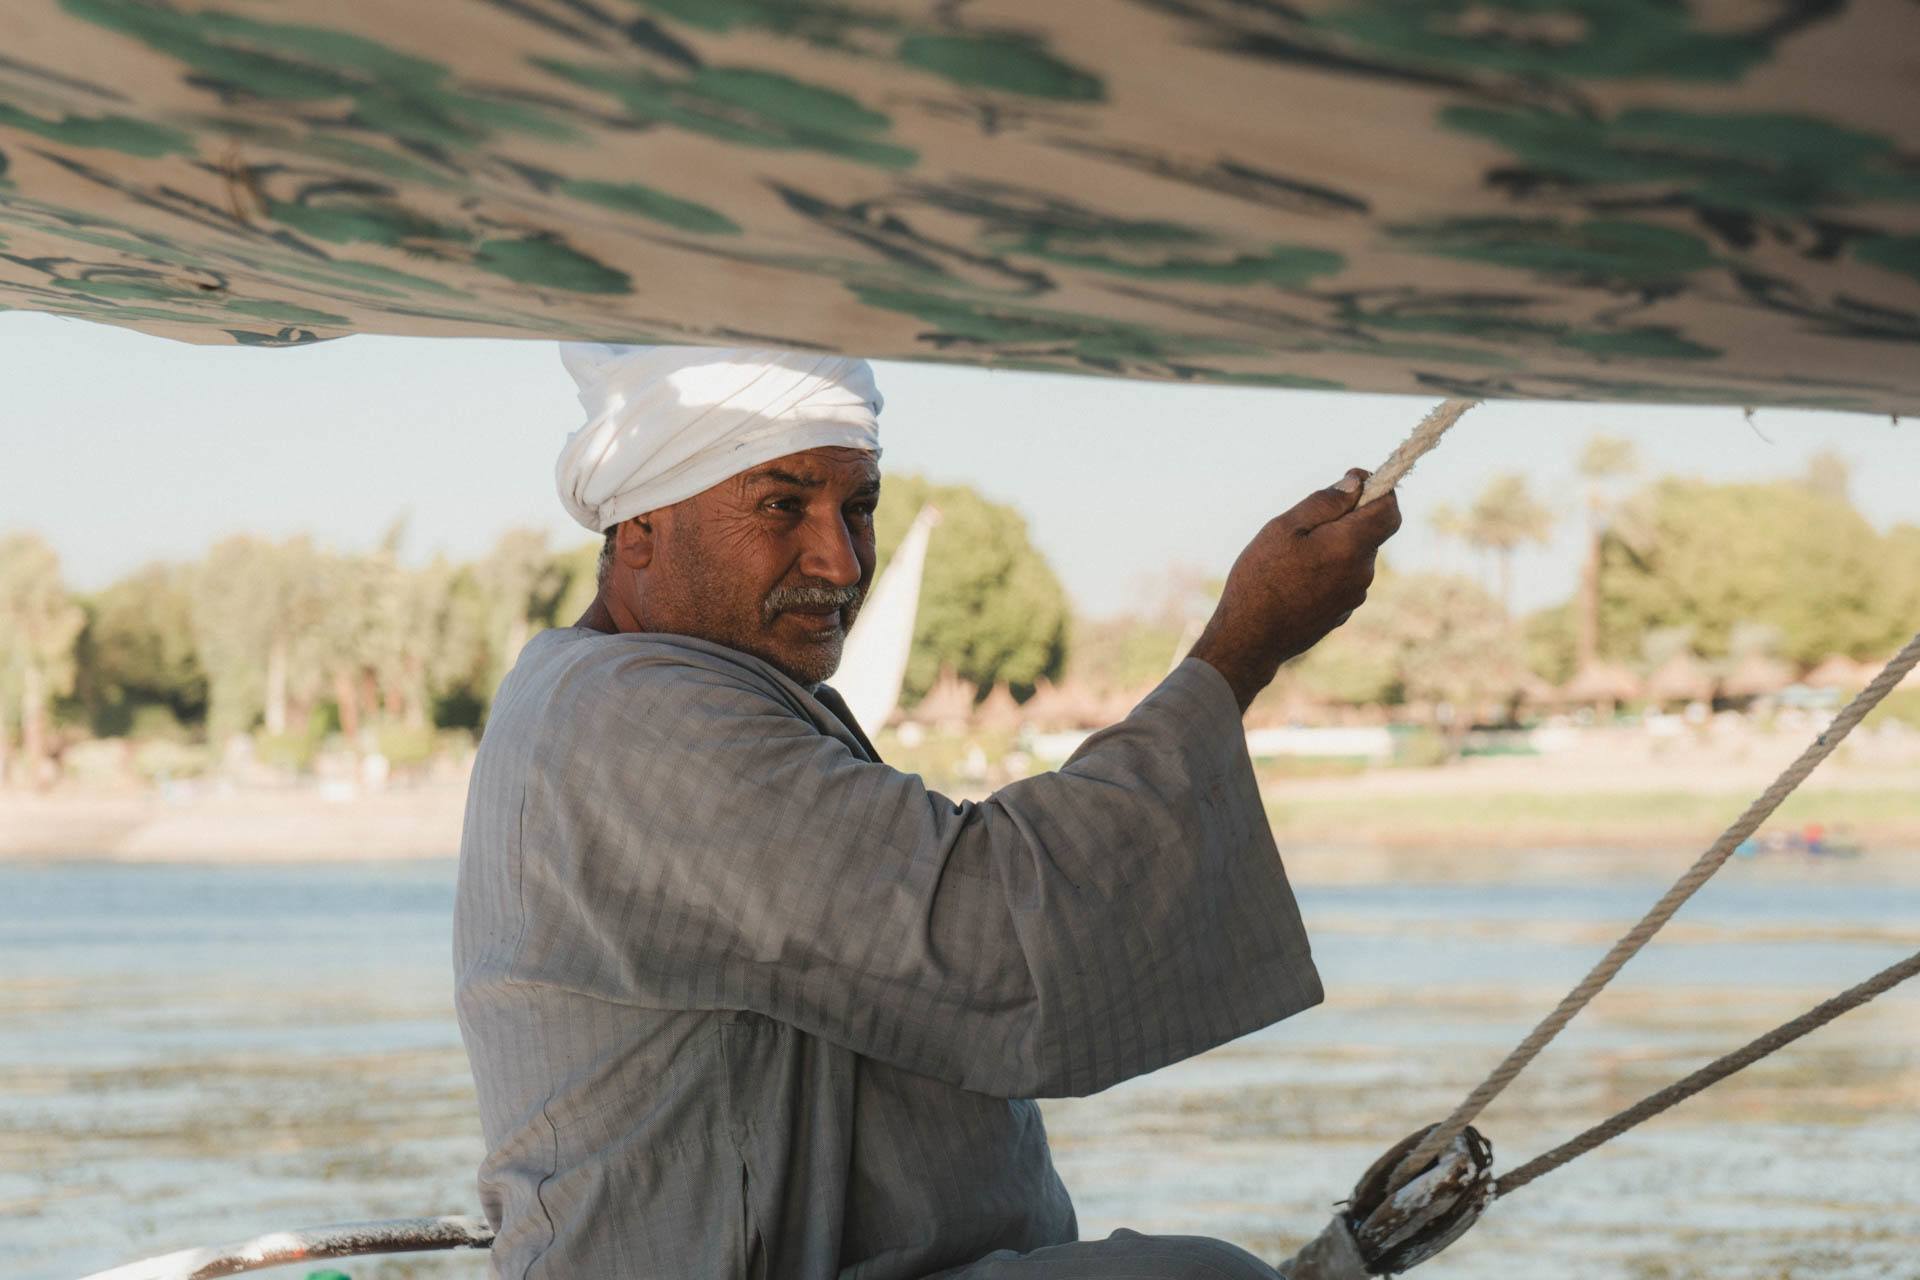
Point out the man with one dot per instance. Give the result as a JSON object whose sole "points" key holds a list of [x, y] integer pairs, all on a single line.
{"points": [[743, 1001]]}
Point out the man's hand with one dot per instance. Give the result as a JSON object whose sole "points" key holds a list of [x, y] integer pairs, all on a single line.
{"points": [[1303, 574]]}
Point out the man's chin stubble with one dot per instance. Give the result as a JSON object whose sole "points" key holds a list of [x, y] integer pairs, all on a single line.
{"points": [[804, 663], [824, 660]]}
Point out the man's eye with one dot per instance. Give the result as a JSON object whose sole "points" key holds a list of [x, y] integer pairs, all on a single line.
{"points": [[785, 505], [862, 513]]}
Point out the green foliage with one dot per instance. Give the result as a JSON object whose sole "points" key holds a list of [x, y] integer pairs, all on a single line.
{"points": [[1421, 749], [293, 751], [1505, 517], [1455, 644], [1120, 653], [520, 586], [1606, 457], [990, 606], [138, 665], [39, 623], [1422, 637], [1828, 476], [581, 569], [160, 759], [155, 722], [311, 640], [250, 599], [1711, 557], [407, 746], [1547, 637], [1360, 663], [1900, 570], [941, 758], [1902, 705]]}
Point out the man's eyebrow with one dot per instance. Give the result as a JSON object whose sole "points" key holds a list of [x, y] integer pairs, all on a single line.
{"points": [[776, 476], [870, 489]]}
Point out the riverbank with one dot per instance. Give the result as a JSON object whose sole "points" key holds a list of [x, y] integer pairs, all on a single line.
{"points": [[1399, 825], [1872, 818], [291, 824], [1620, 792]]}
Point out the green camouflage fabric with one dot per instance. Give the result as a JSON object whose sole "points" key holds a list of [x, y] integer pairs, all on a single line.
{"points": [[1597, 199]]}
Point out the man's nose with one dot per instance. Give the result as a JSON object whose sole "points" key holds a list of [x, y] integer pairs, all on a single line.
{"points": [[829, 555]]}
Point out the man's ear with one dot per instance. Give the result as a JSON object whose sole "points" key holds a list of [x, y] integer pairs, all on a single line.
{"points": [[633, 542]]}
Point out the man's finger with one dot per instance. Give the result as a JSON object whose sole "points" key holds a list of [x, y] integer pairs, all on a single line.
{"points": [[1325, 505], [1364, 530], [1379, 519]]}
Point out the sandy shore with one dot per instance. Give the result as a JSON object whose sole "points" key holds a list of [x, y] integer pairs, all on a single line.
{"points": [[1613, 802], [290, 825], [1352, 833]]}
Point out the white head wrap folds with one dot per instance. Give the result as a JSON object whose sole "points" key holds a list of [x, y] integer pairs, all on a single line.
{"points": [[665, 423]]}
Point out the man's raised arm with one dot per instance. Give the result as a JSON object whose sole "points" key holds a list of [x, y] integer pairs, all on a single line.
{"points": [[1303, 574], [719, 851]]}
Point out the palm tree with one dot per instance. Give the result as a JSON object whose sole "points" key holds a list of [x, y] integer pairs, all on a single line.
{"points": [[1606, 458], [1505, 517], [39, 623]]}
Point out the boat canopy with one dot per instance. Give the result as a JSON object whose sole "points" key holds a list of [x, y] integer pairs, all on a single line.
{"points": [[1595, 199]]}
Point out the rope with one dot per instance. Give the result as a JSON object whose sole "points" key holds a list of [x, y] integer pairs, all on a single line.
{"points": [[1628, 946], [1712, 1073], [1413, 448], [1398, 464]]}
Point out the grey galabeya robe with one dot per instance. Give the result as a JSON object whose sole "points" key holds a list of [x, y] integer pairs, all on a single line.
{"points": [[742, 1001]]}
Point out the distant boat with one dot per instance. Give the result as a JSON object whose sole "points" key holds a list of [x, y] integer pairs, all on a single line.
{"points": [[1811, 842]]}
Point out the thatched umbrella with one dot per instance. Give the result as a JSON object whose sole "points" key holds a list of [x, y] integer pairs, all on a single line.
{"points": [[1526, 687], [1681, 678], [999, 712], [1757, 676], [948, 705], [1284, 702], [1055, 707], [1603, 685], [1118, 704], [1838, 671]]}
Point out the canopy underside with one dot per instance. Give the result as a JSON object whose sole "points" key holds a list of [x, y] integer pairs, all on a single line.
{"points": [[1610, 199]]}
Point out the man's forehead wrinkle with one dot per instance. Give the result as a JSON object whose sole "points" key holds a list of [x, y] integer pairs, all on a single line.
{"points": [[780, 475]]}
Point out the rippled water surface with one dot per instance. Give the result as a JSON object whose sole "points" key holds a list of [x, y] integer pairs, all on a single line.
{"points": [[193, 1054]]}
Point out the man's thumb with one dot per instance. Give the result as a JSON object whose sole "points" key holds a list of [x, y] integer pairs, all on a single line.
{"points": [[1323, 506]]}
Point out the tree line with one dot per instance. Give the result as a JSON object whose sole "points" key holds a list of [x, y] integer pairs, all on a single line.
{"points": [[1785, 569], [291, 641]]}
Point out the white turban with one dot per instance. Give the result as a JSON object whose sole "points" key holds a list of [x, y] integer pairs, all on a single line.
{"points": [[665, 423]]}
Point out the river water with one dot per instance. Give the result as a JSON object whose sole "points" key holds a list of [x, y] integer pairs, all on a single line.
{"points": [[190, 1054]]}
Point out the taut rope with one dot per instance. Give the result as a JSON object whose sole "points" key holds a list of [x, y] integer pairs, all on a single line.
{"points": [[1413, 448], [1896, 670], [1717, 1070], [1407, 1209]]}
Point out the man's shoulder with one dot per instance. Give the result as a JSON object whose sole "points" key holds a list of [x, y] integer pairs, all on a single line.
{"points": [[569, 669]]}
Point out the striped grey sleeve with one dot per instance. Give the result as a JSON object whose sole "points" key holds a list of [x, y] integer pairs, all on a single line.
{"points": [[714, 850]]}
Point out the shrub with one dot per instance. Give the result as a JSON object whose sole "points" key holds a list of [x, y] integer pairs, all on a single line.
{"points": [[406, 748]]}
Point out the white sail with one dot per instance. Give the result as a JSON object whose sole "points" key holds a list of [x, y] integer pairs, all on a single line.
{"points": [[875, 660]]}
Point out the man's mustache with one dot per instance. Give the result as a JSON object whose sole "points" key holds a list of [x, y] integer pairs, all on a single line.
{"points": [[810, 597]]}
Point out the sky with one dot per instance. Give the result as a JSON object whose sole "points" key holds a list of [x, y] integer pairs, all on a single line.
{"points": [[120, 449]]}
